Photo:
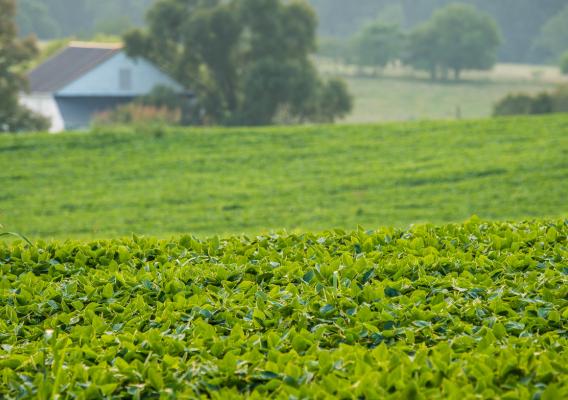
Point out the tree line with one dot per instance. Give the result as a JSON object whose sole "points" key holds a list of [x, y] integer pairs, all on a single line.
{"points": [[532, 31], [456, 38], [53, 19]]}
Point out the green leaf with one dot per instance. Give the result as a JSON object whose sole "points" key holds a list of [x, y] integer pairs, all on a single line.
{"points": [[155, 377], [108, 291]]}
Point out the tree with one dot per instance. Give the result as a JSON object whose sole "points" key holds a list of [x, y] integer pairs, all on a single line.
{"points": [[336, 102], [333, 48], [422, 50], [378, 44], [33, 18], [13, 53], [519, 20], [50, 19], [246, 60], [197, 44], [553, 38], [564, 63], [457, 38]]}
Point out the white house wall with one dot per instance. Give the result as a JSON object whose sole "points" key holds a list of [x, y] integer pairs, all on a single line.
{"points": [[104, 80], [44, 104]]}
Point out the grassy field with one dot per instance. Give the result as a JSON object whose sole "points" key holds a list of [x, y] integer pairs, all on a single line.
{"points": [[405, 99], [217, 181], [468, 311], [401, 94]]}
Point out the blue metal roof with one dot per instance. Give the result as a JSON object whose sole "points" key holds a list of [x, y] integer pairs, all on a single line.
{"points": [[68, 65]]}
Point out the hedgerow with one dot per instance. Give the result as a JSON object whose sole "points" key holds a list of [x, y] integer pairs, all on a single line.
{"points": [[474, 310]]}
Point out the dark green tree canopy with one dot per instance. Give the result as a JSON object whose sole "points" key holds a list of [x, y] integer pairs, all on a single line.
{"points": [[248, 60]]}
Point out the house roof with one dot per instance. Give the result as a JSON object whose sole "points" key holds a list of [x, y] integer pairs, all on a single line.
{"points": [[68, 65]]}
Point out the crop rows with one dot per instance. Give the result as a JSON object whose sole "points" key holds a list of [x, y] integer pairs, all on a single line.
{"points": [[475, 310]]}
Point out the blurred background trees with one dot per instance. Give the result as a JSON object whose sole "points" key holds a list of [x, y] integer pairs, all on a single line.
{"points": [[377, 45], [552, 40], [564, 63], [532, 31], [521, 22], [14, 53], [457, 38], [51, 19], [247, 61]]}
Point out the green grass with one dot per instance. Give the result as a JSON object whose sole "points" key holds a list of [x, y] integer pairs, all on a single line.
{"points": [[470, 311], [215, 181], [403, 99], [401, 94]]}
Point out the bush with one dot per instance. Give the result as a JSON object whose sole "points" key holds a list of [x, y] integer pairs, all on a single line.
{"points": [[138, 114], [560, 100], [336, 102], [514, 104], [164, 97], [564, 64], [21, 119], [542, 103]]}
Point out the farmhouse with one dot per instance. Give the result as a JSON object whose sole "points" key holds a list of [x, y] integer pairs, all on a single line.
{"points": [[86, 78]]}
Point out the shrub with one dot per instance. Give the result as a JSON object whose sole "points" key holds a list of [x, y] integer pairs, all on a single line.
{"points": [[164, 97], [336, 102], [542, 103], [137, 114], [564, 64], [20, 119], [513, 104], [560, 99]]}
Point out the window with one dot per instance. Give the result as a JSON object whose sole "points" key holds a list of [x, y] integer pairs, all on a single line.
{"points": [[125, 79]]}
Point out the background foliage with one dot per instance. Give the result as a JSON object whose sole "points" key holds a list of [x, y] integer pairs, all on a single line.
{"points": [[522, 42], [50, 19], [14, 53], [247, 61], [541, 103], [534, 40]]}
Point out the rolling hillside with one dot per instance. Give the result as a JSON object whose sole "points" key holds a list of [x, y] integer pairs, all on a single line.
{"points": [[216, 181]]}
